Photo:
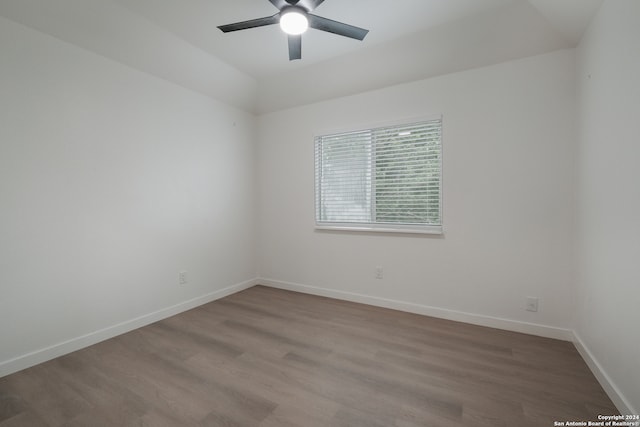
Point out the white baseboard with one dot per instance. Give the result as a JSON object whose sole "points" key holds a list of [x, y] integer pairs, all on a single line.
{"points": [[459, 316], [74, 344], [39, 356], [605, 381], [618, 399]]}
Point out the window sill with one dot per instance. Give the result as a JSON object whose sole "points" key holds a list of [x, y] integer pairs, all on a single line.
{"points": [[431, 229]]}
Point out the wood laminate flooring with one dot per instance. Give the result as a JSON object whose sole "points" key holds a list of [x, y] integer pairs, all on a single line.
{"points": [[268, 357]]}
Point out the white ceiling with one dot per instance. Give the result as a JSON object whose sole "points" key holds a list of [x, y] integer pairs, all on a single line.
{"points": [[177, 40], [263, 51]]}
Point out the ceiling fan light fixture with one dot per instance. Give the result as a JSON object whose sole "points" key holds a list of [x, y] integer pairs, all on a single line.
{"points": [[295, 18], [294, 22]]}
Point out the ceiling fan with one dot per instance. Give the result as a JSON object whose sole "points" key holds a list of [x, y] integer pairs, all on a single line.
{"points": [[294, 19]]}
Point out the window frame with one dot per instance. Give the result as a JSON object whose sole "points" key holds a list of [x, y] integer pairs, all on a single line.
{"points": [[374, 227]]}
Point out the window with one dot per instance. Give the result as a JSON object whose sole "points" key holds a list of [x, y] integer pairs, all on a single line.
{"points": [[386, 179]]}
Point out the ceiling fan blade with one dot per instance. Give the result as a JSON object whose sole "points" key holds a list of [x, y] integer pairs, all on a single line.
{"points": [[335, 27], [279, 3], [253, 23], [295, 47], [310, 5]]}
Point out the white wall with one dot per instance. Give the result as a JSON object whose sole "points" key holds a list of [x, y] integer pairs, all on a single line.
{"points": [[509, 139], [111, 181], [608, 210]]}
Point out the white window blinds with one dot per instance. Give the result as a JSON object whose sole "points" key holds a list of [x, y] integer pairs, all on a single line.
{"points": [[387, 177]]}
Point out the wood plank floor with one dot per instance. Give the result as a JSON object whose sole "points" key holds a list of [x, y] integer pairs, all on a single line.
{"points": [[267, 357]]}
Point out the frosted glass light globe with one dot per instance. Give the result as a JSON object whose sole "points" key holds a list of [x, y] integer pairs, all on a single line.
{"points": [[294, 23]]}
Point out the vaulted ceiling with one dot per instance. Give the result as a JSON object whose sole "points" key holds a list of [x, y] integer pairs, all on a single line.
{"points": [[177, 40]]}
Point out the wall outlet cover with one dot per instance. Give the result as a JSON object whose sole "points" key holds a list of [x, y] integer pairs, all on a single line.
{"points": [[532, 304]]}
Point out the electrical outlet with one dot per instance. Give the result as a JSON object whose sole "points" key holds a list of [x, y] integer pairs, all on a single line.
{"points": [[379, 273], [532, 304], [182, 277]]}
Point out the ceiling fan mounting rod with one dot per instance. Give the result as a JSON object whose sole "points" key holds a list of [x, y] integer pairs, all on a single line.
{"points": [[289, 9]]}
